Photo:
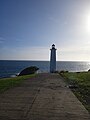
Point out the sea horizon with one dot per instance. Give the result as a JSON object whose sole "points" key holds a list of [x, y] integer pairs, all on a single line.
{"points": [[49, 60], [8, 68]]}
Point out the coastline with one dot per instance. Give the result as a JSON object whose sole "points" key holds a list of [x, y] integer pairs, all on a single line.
{"points": [[12, 67]]}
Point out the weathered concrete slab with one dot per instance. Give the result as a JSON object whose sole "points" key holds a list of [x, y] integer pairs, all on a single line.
{"points": [[44, 97]]}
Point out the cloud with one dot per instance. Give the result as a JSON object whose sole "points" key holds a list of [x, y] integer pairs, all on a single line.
{"points": [[75, 53], [26, 53], [43, 53], [53, 19], [2, 40], [34, 53]]}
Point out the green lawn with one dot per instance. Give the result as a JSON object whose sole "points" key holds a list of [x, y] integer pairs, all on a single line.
{"points": [[6, 83], [82, 81]]}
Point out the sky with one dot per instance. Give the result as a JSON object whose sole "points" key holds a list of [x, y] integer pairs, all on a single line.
{"points": [[28, 28]]}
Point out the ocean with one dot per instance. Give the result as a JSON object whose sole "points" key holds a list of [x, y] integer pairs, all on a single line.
{"points": [[10, 68]]}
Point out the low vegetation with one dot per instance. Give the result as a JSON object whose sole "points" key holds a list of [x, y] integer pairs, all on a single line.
{"points": [[81, 81], [6, 83]]}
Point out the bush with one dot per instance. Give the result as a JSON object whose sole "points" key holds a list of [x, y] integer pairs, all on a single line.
{"points": [[63, 71]]}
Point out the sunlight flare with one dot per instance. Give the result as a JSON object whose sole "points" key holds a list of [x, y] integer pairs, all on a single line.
{"points": [[88, 22]]}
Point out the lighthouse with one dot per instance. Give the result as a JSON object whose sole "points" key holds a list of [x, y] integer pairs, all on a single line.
{"points": [[53, 59]]}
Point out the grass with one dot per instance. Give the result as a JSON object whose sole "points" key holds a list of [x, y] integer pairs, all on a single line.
{"points": [[7, 83], [82, 81]]}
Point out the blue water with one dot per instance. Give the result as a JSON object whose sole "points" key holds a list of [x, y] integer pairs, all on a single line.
{"points": [[9, 68]]}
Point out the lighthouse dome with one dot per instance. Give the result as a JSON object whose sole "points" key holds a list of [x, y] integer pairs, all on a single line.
{"points": [[53, 46]]}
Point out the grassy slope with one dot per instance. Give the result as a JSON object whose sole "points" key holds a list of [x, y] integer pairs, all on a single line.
{"points": [[6, 83], [82, 80]]}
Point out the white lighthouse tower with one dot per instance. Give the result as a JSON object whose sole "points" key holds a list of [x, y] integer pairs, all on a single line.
{"points": [[53, 59]]}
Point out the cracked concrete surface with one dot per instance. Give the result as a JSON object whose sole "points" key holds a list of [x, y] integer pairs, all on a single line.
{"points": [[43, 97]]}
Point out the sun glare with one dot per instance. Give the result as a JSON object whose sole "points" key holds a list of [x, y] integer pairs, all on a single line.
{"points": [[88, 23]]}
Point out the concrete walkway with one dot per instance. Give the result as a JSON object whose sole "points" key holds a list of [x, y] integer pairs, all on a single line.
{"points": [[44, 97]]}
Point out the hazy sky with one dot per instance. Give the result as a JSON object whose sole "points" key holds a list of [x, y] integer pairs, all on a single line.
{"points": [[28, 28]]}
